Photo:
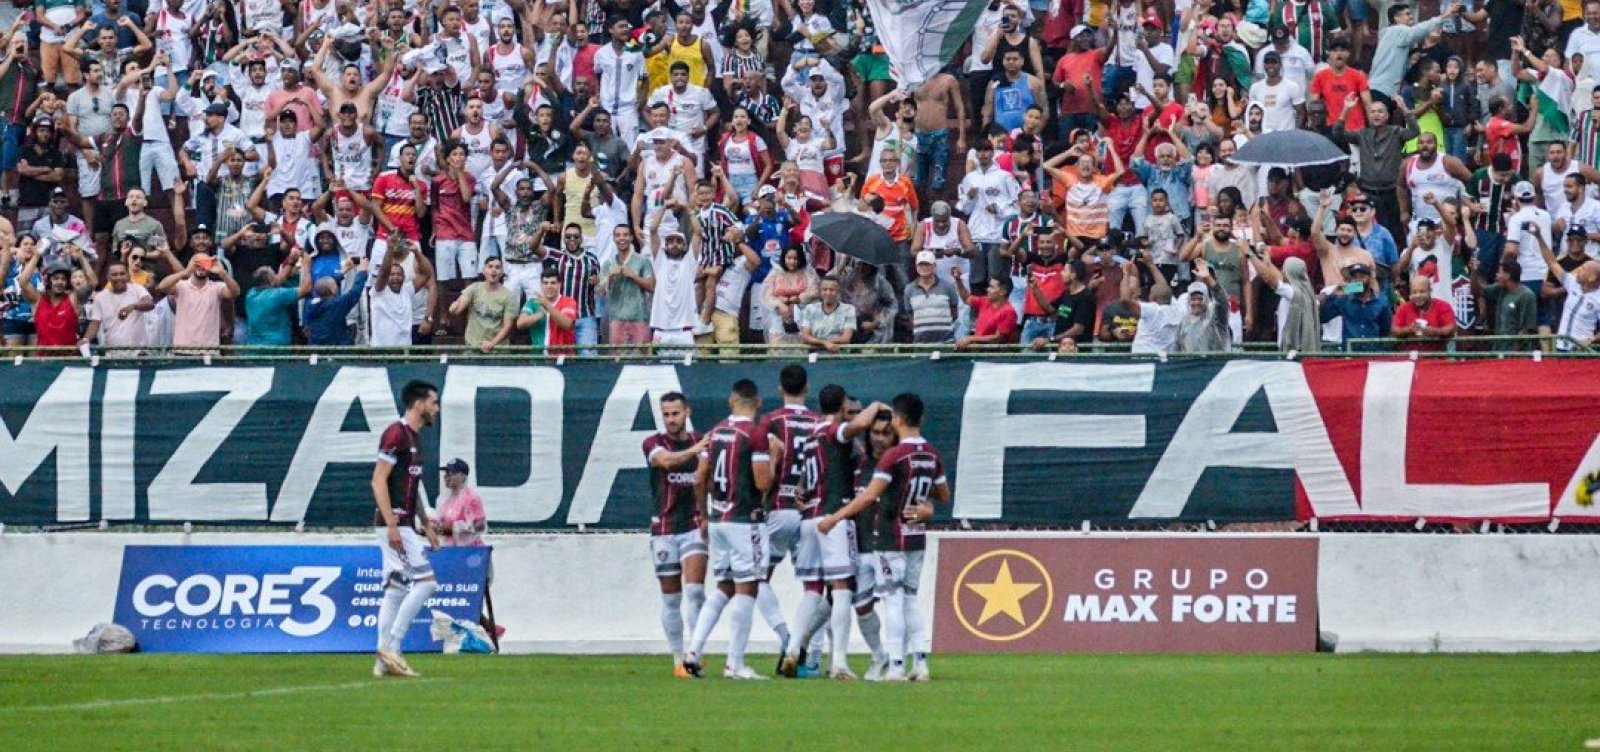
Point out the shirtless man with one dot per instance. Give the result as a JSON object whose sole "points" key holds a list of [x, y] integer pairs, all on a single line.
{"points": [[350, 88], [936, 100]]}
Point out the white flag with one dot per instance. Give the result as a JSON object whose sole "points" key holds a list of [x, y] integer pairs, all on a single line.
{"points": [[920, 36]]}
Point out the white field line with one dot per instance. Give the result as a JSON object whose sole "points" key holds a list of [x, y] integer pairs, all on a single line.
{"points": [[210, 696]]}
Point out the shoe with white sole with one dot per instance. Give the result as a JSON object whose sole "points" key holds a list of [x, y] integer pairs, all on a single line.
{"points": [[896, 672], [842, 674], [743, 673], [395, 663], [919, 672], [875, 670], [379, 670]]}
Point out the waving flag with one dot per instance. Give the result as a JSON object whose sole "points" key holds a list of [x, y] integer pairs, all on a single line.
{"points": [[920, 36]]}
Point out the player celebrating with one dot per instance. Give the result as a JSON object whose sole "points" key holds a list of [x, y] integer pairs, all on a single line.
{"points": [[735, 470], [408, 580], [789, 428], [829, 483], [676, 543], [905, 478], [880, 439]]}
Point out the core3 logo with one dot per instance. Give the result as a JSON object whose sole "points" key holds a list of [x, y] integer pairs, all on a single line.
{"points": [[269, 597]]}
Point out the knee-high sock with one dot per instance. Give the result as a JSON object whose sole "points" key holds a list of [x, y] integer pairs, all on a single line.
{"points": [[916, 628], [415, 599], [771, 611], [818, 628], [894, 622], [707, 621], [804, 617], [694, 596], [672, 622], [841, 628], [872, 632], [393, 594], [739, 616]]}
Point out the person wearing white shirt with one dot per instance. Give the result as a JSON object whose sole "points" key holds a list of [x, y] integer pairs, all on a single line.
{"points": [[672, 307], [1283, 102], [1525, 228], [1585, 40], [622, 74], [156, 156], [819, 89], [204, 148], [1155, 49], [1578, 210], [1580, 311], [690, 109], [1298, 65], [988, 196]]}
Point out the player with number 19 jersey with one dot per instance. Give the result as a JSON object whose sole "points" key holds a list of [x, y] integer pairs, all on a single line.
{"points": [[912, 469]]}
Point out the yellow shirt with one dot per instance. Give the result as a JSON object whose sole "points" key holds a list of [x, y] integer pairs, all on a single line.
{"points": [[690, 54]]}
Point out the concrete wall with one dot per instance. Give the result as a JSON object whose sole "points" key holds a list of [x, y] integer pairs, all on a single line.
{"points": [[595, 593]]}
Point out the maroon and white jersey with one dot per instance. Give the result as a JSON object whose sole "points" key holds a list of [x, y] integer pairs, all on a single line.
{"points": [[791, 426], [675, 510], [735, 447], [401, 447], [911, 468]]}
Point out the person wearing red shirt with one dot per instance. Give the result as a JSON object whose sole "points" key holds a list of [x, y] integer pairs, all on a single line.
{"points": [[55, 309], [401, 197], [1425, 322], [1045, 285], [1332, 84], [1078, 73], [1502, 135], [995, 321], [455, 246], [1124, 128], [550, 317], [1163, 112]]}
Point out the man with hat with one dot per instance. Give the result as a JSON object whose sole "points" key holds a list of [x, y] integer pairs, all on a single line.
{"points": [[295, 97], [55, 308], [59, 225], [1332, 85], [1428, 256], [207, 148], [933, 303], [673, 312], [1374, 237], [1526, 228], [819, 90], [1156, 57], [1353, 309], [43, 168]]}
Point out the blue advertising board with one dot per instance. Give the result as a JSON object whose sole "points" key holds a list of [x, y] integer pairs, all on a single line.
{"points": [[280, 599]]}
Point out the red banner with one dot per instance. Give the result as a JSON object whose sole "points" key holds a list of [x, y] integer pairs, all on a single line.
{"points": [[1508, 440], [1209, 594]]}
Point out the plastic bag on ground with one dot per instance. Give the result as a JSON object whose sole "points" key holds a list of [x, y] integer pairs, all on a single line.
{"points": [[459, 635], [106, 638]]}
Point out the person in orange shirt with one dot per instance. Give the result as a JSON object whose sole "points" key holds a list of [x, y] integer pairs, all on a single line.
{"points": [[1086, 206], [899, 197]]}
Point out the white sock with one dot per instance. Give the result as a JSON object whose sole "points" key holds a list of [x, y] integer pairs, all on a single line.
{"points": [[739, 621], [872, 632], [393, 594], [803, 619], [672, 622], [916, 630], [415, 599], [842, 607], [818, 629], [894, 622], [694, 596], [707, 621], [771, 611]]}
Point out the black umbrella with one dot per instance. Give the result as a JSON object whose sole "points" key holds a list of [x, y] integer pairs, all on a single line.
{"points": [[1295, 148], [857, 236]]}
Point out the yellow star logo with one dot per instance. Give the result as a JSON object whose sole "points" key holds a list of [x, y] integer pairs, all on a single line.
{"points": [[1003, 596]]}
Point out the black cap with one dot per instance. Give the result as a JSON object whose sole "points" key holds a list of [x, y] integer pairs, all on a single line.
{"points": [[457, 465], [216, 108], [1577, 231], [1358, 268], [1428, 223], [200, 229], [59, 192]]}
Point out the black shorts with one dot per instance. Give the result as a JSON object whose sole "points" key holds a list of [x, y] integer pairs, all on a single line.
{"points": [[107, 214], [16, 328]]}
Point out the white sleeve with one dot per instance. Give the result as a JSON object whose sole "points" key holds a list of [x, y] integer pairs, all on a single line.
{"points": [[1285, 290]]}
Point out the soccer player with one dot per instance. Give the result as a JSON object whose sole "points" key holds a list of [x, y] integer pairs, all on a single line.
{"points": [[880, 439], [829, 479], [735, 471], [789, 429], [676, 542], [906, 478], [408, 580]]}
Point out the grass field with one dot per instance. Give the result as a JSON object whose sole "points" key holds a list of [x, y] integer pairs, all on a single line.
{"points": [[979, 703]]}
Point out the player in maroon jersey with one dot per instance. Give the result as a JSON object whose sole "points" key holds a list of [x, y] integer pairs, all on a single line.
{"points": [[677, 540], [788, 429], [401, 519], [735, 471], [907, 480]]}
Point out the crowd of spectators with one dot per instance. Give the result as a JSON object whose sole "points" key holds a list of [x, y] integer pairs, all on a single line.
{"points": [[495, 174]]}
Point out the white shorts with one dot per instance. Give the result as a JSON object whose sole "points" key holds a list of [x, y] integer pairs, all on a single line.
{"points": [[808, 552], [866, 578], [669, 551], [451, 254], [88, 179], [899, 570], [409, 565], [783, 535], [738, 551], [839, 555]]}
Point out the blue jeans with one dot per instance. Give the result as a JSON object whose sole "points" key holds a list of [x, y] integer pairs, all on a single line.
{"points": [[933, 154], [1455, 142], [1087, 121], [1115, 79], [1491, 246], [205, 204], [11, 146], [1128, 200], [588, 333], [1035, 327]]}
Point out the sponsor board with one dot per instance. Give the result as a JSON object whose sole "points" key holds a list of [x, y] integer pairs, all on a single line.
{"points": [[280, 599], [1126, 595]]}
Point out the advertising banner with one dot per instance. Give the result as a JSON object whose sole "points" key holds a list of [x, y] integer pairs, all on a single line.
{"points": [[1209, 594], [1026, 443], [280, 599]]}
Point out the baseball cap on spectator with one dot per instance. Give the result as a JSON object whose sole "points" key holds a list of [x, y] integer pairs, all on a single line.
{"points": [[1153, 19], [766, 190], [1357, 268], [1577, 231], [661, 134], [1362, 199], [1280, 32], [926, 257], [59, 192], [200, 229], [456, 466], [1080, 29], [673, 234], [217, 108], [261, 227], [1198, 288], [1428, 223], [1523, 190], [44, 121], [1272, 56]]}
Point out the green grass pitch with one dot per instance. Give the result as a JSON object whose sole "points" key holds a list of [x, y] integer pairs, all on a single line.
{"points": [[1300, 702]]}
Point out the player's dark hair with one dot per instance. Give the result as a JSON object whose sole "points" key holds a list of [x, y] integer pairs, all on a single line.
{"points": [[831, 399], [550, 273], [674, 397], [415, 391], [745, 391], [1396, 10], [909, 406], [678, 66], [792, 380]]}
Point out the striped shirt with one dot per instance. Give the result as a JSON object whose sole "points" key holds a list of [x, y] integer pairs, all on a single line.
{"points": [[1041, 224], [763, 107], [1496, 195], [119, 165], [737, 64], [1586, 135], [714, 223], [576, 272], [443, 106]]}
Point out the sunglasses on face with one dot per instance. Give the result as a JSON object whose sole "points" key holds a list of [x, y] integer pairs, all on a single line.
{"points": [[1360, 207]]}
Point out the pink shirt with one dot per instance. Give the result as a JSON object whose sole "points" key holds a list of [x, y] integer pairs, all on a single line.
{"points": [[198, 319], [464, 507]]}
